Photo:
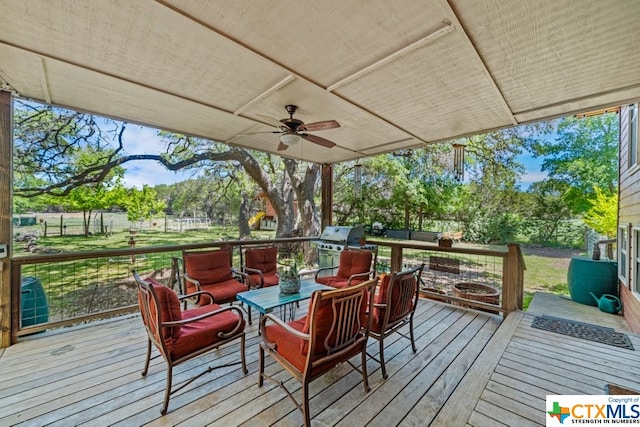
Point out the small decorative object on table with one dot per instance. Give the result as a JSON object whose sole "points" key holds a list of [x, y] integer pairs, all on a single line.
{"points": [[289, 276], [289, 284]]}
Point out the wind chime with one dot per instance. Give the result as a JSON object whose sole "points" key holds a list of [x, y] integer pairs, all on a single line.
{"points": [[458, 162], [357, 184]]}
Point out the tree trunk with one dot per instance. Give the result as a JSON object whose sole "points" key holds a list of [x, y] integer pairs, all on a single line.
{"points": [[308, 209], [281, 197], [243, 218], [86, 222], [407, 211]]}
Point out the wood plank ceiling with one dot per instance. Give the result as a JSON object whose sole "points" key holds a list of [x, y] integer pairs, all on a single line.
{"points": [[394, 74]]}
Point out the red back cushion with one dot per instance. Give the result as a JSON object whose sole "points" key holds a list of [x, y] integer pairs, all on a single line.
{"points": [[169, 308], [263, 259], [354, 262], [381, 296], [394, 300], [324, 319], [209, 266]]}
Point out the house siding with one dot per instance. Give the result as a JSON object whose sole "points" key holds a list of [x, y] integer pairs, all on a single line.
{"points": [[628, 214]]}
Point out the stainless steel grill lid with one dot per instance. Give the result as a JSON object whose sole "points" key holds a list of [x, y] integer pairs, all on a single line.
{"points": [[342, 234]]}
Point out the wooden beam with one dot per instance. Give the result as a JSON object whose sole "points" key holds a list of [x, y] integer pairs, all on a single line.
{"points": [[6, 157]]}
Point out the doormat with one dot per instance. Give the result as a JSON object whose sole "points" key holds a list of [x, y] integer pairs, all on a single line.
{"points": [[585, 331]]}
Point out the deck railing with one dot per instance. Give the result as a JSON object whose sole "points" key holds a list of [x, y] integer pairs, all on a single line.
{"points": [[446, 267], [83, 286]]}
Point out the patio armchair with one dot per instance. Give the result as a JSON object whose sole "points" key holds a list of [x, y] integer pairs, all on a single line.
{"points": [[261, 266], [182, 335], [356, 266], [211, 271], [394, 305], [334, 331]]}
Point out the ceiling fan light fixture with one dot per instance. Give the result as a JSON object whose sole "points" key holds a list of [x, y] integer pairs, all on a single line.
{"points": [[290, 139]]}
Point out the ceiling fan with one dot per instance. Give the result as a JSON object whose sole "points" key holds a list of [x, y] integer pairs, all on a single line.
{"points": [[292, 131]]}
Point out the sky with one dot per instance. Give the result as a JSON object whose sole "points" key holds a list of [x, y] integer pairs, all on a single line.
{"points": [[152, 173], [533, 171], [145, 141]]}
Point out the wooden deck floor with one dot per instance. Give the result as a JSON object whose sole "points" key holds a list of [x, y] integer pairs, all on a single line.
{"points": [[469, 369]]}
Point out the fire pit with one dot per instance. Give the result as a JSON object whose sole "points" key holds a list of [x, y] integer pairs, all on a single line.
{"points": [[477, 292]]}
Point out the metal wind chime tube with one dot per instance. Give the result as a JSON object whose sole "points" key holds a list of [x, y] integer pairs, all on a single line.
{"points": [[458, 162], [357, 185]]}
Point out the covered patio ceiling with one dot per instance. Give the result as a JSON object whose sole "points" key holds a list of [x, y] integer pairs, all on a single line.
{"points": [[394, 74]]}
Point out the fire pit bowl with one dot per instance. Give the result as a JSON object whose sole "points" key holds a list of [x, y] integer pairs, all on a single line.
{"points": [[477, 292]]}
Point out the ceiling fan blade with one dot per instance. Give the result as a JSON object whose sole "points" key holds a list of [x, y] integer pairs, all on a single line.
{"points": [[318, 140], [257, 133], [273, 121], [327, 124], [282, 147]]}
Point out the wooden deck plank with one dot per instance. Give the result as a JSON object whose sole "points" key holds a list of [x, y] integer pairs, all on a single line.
{"points": [[433, 399], [397, 353], [523, 409], [469, 370], [480, 420], [439, 337], [537, 362], [503, 415], [523, 387], [330, 395], [329, 406], [457, 410], [604, 370], [528, 395]]}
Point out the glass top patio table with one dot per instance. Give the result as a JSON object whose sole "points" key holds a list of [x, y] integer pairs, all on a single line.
{"points": [[266, 299]]}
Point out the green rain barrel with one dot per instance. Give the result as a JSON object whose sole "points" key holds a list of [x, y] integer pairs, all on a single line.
{"points": [[586, 275], [33, 302]]}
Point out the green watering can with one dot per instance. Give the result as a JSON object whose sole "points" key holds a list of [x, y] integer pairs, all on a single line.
{"points": [[608, 303]]}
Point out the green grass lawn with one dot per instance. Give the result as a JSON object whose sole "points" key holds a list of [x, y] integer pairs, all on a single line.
{"points": [[147, 237], [546, 271]]}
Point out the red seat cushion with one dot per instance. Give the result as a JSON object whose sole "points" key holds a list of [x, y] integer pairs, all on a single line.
{"points": [[208, 266], [222, 291], [354, 262], [270, 279], [289, 347], [204, 332]]}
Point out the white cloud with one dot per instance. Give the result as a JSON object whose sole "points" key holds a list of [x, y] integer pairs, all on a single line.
{"points": [[144, 140], [531, 176]]}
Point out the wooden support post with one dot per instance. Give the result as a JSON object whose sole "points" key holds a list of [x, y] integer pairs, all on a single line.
{"points": [[6, 190], [512, 279], [396, 258]]}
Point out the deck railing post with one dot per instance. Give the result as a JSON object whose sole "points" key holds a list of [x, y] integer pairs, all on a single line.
{"points": [[512, 279], [396, 258], [6, 203]]}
